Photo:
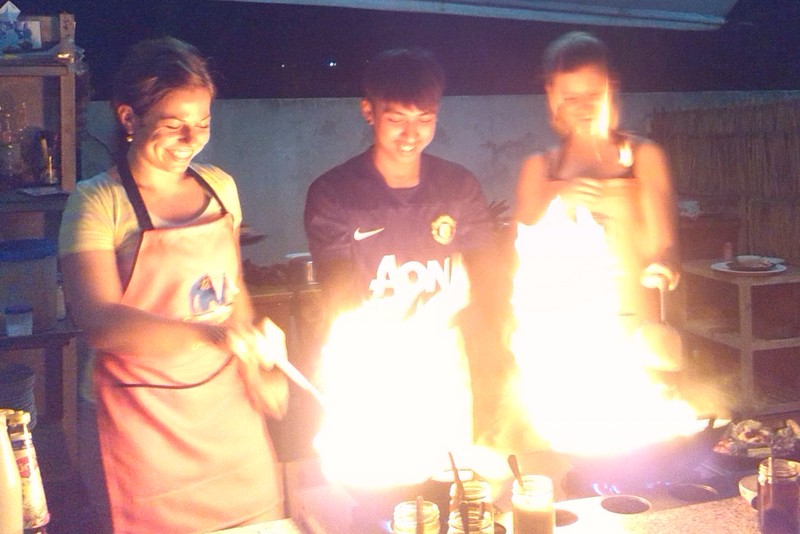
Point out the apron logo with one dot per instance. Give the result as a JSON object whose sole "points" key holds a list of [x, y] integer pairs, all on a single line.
{"points": [[206, 298], [443, 229]]}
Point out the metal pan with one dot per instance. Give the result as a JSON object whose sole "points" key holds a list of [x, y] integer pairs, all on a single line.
{"points": [[664, 461]]}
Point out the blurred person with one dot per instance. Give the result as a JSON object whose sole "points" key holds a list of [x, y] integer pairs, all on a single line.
{"points": [[150, 256], [622, 179]]}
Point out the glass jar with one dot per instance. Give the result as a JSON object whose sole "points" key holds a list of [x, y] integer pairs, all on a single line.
{"points": [[778, 494], [532, 505], [477, 495], [404, 518], [479, 521]]}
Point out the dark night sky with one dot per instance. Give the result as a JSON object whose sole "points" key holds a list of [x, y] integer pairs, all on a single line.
{"points": [[271, 51]]}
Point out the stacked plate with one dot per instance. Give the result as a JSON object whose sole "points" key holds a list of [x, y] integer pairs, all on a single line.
{"points": [[16, 389]]}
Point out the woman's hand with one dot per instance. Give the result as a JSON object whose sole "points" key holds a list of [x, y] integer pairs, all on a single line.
{"points": [[661, 276], [257, 351], [581, 192]]}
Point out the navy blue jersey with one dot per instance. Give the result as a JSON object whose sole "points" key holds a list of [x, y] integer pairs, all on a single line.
{"points": [[394, 236]]}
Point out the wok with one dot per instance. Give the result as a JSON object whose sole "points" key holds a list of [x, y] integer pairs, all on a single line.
{"points": [[669, 460]]}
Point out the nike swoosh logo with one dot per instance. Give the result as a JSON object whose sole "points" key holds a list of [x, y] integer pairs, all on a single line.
{"points": [[358, 235]]}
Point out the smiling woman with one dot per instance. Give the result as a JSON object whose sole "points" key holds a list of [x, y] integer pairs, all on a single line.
{"points": [[175, 348]]}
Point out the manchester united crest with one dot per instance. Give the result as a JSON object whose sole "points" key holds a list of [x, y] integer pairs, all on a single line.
{"points": [[443, 229]]}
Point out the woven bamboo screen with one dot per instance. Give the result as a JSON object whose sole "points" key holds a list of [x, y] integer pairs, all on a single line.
{"points": [[750, 156]]}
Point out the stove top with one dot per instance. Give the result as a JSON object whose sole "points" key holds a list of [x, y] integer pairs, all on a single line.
{"points": [[711, 480]]}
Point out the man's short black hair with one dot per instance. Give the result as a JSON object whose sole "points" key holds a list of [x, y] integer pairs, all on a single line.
{"points": [[406, 76]]}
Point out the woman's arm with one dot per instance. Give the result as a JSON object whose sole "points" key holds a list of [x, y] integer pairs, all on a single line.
{"points": [[659, 209], [93, 291]]}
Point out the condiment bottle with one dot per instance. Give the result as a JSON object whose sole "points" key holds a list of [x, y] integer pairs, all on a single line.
{"points": [[10, 484], [778, 494], [34, 504], [404, 518]]}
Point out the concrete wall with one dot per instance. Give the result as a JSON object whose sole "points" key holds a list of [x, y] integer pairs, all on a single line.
{"points": [[275, 148]]}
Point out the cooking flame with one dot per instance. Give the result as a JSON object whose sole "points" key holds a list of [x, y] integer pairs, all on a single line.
{"points": [[582, 380], [602, 125], [397, 389], [626, 154]]}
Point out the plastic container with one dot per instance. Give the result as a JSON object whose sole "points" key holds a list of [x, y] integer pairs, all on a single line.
{"points": [[28, 274], [19, 320]]}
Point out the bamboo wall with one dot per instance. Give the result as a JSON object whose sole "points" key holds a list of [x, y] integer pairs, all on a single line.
{"points": [[745, 156]]}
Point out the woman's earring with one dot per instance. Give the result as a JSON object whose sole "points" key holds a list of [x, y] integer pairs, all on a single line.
{"points": [[129, 137]]}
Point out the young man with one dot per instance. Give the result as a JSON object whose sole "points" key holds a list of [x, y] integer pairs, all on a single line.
{"points": [[394, 216], [393, 219]]}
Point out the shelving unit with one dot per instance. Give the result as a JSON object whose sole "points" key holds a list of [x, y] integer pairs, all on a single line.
{"points": [[721, 307], [41, 86]]}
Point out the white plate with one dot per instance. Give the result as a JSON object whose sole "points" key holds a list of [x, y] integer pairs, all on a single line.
{"points": [[724, 267]]}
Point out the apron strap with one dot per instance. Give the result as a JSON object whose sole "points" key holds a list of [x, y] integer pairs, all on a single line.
{"points": [[202, 382], [135, 197]]}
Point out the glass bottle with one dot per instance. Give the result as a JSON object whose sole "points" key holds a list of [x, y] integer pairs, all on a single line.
{"points": [[778, 494], [10, 483], [10, 153], [404, 518], [34, 504]]}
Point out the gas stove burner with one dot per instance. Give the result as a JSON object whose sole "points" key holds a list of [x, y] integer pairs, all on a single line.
{"points": [[693, 493], [701, 486], [625, 504]]}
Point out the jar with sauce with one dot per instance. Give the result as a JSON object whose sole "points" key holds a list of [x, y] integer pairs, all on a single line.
{"points": [[778, 497], [406, 515], [476, 501]]}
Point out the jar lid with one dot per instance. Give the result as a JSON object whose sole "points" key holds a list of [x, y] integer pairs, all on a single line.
{"points": [[18, 309]]}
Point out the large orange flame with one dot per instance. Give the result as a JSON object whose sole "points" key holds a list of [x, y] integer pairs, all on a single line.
{"points": [[583, 382], [397, 389]]}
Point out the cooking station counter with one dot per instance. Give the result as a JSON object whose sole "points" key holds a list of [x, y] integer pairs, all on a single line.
{"points": [[318, 507], [727, 516]]}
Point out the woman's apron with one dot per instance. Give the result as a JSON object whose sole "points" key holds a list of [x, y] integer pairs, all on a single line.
{"points": [[183, 449]]}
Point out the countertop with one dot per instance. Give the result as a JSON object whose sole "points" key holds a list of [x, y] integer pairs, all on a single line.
{"points": [[726, 516]]}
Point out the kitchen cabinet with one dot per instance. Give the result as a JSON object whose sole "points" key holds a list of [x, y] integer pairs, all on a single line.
{"points": [[755, 319], [37, 100]]}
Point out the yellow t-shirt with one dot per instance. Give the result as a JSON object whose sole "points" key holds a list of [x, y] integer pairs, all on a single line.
{"points": [[99, 216]]}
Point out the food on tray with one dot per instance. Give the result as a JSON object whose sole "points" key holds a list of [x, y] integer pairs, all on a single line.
{"points": [[751, 263], [754, 439]]}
